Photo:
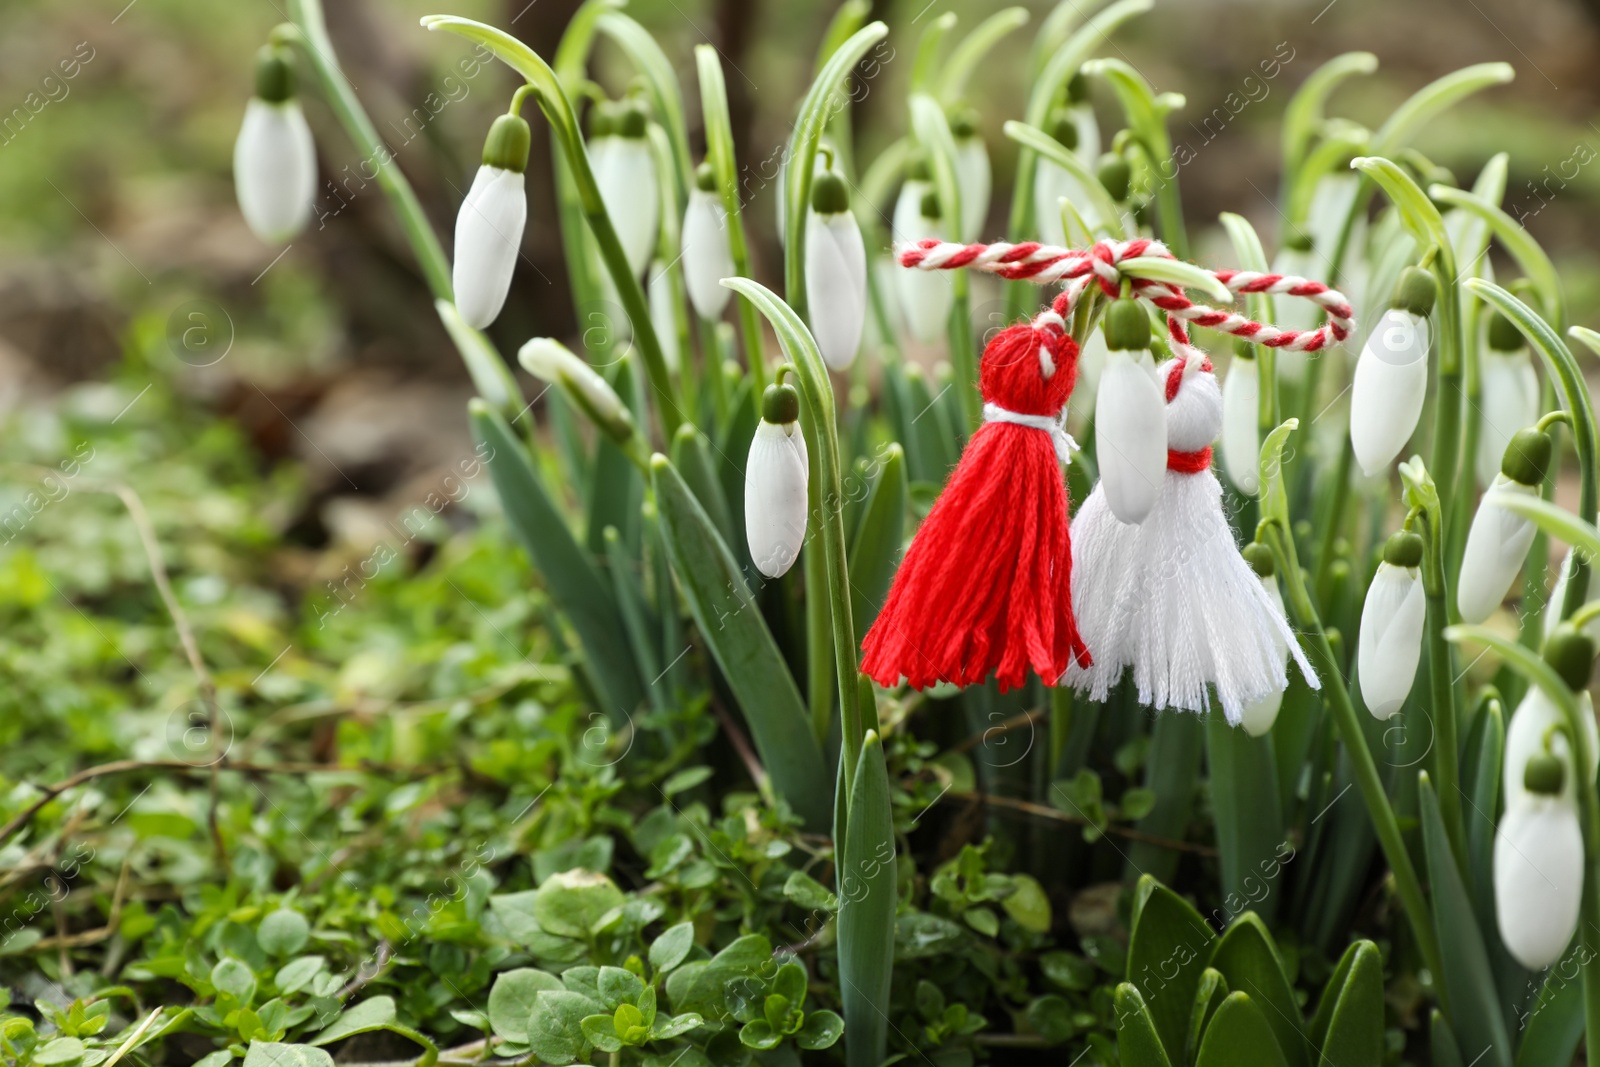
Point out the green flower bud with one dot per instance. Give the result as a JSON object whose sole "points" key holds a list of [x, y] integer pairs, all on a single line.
{"points": [[705, 177], [634, 120], [1077, 88], [1527, 456], [507, 145], [1415, 293], [930, 205], [1259, 556], [917, 169], [1127, 326], [603, 120], [274, 74], [1404, 549], [1243, 349], [780, 404], [964, 123], [1063, 129], [1571, 652], [1543, 774], [1298, 240], [829, 195], [1503, 334], [1115, 174]]}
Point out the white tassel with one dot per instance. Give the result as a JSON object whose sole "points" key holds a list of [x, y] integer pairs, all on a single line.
{"points": [[1172, 599]]}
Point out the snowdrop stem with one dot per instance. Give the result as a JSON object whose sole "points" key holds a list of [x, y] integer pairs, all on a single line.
{"points": [[1552, 418], [341, 96], [1586, 614], [519, 97], [1337, 697]]}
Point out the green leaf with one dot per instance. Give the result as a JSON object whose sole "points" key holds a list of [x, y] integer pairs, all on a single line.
{"points": [[826, 95], [556, 1033], [758, 1034], [601, 1032], [1442, 1042], [283, 932], [1435, 98], [1552, 1025], [272, 1054], [1514, 238], [878, 538], [1028, 904], [661, 82], [1138, 1043], [1239, 1034], [374, 1013], [1421, 217], [703, 986], [672, 947], [1247, 957], [1249, 819], [692, 457], [1168, 950], [964, 59], [569, 904], [1475, 1005], [618, 986], [821, 1030], [804, 891], [867, 900], [1274, 496], [678, 1024], [511, 1001], [575, 586], [1349, 1024], [1038, 141], [1303, 116], [1481, 777], [615, 488], [297, 974], [1557, 521], [1208, 998], [64, 1052], [234, 978], [730, 622], [490, 375]]}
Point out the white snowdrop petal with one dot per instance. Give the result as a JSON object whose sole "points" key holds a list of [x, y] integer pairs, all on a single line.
{"points": [[925, 295], [1386, 397], [626, 175], [665, 323], [1525, 735], [1497, 544], [1538, 879], [974, 179], [775, 497], [1391, 638], [836, 285], [1088, 128], [706, 257], [1130, 433], [1558, 595], [1241, 430], [1509, 402], [488, 237], [275, 169]]}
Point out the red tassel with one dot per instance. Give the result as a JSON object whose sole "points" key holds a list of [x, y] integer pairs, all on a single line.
{"points": [[986, 586]]}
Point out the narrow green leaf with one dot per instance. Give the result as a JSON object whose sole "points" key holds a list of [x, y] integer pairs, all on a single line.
{"points": [[1274, 496], [635, 613], [952, 83], [1441, 1042], [1515, 239], [1207, 999], [615, 487], [1558, 522], [1032, 137], [490, 376], [1481, 778], [576, 587], [1474, 1003], [1249, 818], [1354, 1034], [1239, 1034], [1172, 772], [1168, 950], [867, 899], [1317, 1031], [1421, 217], [1247, 957], [1138, 1044], [1434, 99], [691, 455], [1303, 117], [732, 627], [374, 1013], [661, 82], [1552, 1025], [877, 543]]}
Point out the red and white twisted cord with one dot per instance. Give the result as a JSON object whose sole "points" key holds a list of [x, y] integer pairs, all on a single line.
{"points": [[1075, 269]]}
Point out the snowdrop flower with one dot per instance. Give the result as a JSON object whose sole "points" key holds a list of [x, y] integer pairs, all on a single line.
{"points": [[1510, 397], [836, 272], [625, 171], [1391, 376], [1241, 420], [1295, 259], [1391, 627], [706, 256], [925, 295], [973, 176], [1053, 183], [275, 159], [1130, 427], [1538, 866], [551, 361], [659, 291], [1530, 724], [775, 484], [489, 227], [1558, 596], [1499, 539], [1259, 715]]}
